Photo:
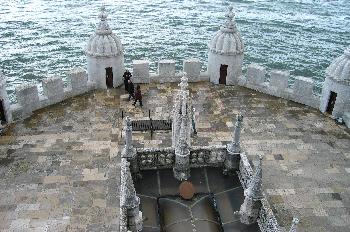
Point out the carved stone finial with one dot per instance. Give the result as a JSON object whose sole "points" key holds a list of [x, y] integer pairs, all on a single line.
{"points": [[128, 133], [103, 14], [239, 119], [231, 162], [249, 210], [294, 226], [128, 121], [129, 151], [128, 194], [254, 190], [230, 14], [103, 26], [230, 22], [129, 200], [184, 82], [234, 146]]}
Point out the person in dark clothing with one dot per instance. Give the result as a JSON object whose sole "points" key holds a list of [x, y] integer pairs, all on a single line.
{"points": [[127, 75], [138, 95], [131, 89]]}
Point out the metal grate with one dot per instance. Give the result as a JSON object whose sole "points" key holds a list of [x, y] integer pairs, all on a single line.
{"points": [[152, 125]]}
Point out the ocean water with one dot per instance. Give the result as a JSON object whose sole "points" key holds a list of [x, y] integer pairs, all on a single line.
{"points": [[45, 37]]}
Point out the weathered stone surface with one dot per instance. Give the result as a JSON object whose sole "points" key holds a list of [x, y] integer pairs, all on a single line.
{"points": [[298, 145], [256, 74], [193, 69], [279, 79], [140, 71], [53, 88], [166, 68]]}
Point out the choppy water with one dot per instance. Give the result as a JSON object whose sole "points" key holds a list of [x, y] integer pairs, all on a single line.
{"points": [[41, 37]]}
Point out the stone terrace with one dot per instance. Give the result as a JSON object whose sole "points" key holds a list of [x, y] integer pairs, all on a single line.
{"points": [[60, 168]]}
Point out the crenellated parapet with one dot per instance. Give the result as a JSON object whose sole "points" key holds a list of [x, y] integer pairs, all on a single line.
{"points": [[275, 82], [166, 72], [278, 85], [29, 99]]}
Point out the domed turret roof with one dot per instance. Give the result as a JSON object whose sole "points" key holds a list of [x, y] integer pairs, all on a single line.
{"points": [[104, 42], [227, 40], [340, 68]]}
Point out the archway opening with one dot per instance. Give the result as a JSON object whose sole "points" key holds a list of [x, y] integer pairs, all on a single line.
{"points": [[109, 77], [2, 112], [223, 74], [331, 102]]}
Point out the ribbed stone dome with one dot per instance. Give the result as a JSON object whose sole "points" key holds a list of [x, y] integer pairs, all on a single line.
{"points": [[227, 40], [104, 42], [340, 68]]}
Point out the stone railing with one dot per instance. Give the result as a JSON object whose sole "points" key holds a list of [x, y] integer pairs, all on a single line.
{"points": [[278, 85], [29, 100], [150, 158], [211, 156], [267, 220]]}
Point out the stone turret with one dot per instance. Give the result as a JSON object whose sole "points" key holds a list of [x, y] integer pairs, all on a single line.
{"points": [[335, 98], [250, 209], [129, 201], [105, 58], [294, 226], [233, 149], [226, 51], [5, 111]]}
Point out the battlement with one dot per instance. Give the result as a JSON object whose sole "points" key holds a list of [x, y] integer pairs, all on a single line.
{"points": [[166, 71], [275, 82], [278, 85], [29, 99]]}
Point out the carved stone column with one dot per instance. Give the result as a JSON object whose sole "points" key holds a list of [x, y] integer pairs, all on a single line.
{"points": [[182, 155], [182, 161], [129, 152], [250, 209], [128, 200], [182, 105], [233, 149]]}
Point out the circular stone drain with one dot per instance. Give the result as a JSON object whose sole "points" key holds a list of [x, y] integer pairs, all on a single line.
{"points": [[186, 190]]}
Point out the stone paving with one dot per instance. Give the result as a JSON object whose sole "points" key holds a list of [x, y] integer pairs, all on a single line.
{"points": [[59, 169]]}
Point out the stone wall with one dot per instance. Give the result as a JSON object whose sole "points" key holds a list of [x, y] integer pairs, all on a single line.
{"points": [[29, 99], [277, 85]]}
